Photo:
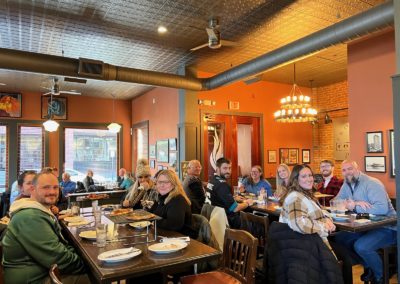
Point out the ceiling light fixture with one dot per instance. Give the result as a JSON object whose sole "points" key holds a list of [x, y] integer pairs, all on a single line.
{"points": [[296, 107], [50, 125], [114, 127], [162, 30]]}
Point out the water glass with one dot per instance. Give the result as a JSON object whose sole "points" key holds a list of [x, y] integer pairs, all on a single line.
{"points": [[95, 205], [97, 216], [110, 231], [75, 209], [101, 235]]}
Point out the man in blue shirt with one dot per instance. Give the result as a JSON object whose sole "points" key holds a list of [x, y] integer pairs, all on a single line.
{"points": [[67, 186], [365, 194]]}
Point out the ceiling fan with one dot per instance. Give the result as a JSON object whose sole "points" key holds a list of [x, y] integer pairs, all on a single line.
{"points": [[214, 37], [54, 89]]}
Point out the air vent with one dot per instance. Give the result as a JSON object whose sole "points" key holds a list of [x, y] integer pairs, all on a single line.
{"points": [[90, 68]]}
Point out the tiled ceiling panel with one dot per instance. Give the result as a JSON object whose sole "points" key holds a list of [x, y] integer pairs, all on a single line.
{"points": [[124, 33]]}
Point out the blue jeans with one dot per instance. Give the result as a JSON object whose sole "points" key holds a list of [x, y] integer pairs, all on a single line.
{"points": [[366, 244]]}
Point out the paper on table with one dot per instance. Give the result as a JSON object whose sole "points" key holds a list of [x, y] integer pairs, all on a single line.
{"points": [[182, 239]]}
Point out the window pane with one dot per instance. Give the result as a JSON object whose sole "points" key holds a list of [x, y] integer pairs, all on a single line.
{"points": [[94, 149], [3, 158], [30, 151]]}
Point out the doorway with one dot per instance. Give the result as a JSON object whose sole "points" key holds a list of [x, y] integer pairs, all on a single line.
{"points": [[235, 137]]}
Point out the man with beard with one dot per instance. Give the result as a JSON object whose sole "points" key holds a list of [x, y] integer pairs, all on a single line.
{"points": [[331, 184], [365, 194], [220, 193], [33, 240], [193, 186]]}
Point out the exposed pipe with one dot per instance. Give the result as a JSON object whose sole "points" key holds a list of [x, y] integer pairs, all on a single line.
{"points": [[375, 18]]}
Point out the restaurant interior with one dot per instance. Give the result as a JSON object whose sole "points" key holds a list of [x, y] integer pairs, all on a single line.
{"points": [[198, 80]]}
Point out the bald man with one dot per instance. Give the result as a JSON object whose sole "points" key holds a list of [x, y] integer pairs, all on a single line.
{"points": [[194, 187], [366, 194]]}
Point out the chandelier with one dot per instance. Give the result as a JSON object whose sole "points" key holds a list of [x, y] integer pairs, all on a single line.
{"points": [[114, 127], [50, 125], [296, 107]]}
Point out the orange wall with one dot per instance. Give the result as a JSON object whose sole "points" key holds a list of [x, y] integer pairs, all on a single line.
{"points": [[160, 107], [83, 109], [370, 64], [263, 98]]}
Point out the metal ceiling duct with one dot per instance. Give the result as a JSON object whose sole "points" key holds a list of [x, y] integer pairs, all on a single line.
{"points": [[366, 22]]}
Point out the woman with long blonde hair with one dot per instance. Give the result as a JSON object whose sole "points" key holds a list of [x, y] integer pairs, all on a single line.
{"points": [[282, 180], [173, 204]]}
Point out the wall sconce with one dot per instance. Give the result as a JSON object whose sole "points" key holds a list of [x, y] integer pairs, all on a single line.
{"points": [[207, 102], [327, 119]]}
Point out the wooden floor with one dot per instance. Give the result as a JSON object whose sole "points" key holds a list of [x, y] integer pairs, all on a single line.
{"points": [[358, 270]]}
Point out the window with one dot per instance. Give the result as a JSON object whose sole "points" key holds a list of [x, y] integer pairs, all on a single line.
{"points": [[30, 148], [94, 149], [3, 158]]}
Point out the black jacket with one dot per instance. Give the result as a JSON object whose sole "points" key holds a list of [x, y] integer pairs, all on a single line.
{"points": [[194, 190], [296, 258]]}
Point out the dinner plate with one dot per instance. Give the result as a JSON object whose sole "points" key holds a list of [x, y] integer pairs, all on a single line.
{"points": [[66, 211], [340, 217], [140, 225], [90, 235], [74, 219], [123, 254], [167, 247]]}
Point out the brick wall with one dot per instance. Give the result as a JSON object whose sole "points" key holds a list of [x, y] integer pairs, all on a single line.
{"points": [[327, 98]]}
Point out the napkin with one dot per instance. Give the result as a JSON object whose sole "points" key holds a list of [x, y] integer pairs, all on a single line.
{"points": [[180, 239]]}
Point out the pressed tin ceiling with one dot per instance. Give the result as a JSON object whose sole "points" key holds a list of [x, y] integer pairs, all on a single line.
{"points": [[124, 33]]}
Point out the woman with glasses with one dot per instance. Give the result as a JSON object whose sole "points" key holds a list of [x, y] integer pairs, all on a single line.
{"points": [[173, 205], [143, 192], [256, 183]]}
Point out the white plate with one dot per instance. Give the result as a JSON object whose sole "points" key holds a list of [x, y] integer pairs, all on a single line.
{"points": [[140, 225], [74, 219], [105, 255], [167, 247], [90, 235], [66, 211], [273, 198]]}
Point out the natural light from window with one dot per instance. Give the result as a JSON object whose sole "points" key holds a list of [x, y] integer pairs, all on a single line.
{"points": [[3, 158], [30, 151]]}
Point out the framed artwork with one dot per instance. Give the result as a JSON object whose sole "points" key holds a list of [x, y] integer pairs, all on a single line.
{"points": [[375, 142], [153, 164], [283, 155], [162, 151], [159, 167], [172, 159], [10, 105], [172, 144], [56, 107], [152, 151], [271, 156], [184, 167], [165, 168], [375, 164], [391, 147], [305, 154], [293, 156]]}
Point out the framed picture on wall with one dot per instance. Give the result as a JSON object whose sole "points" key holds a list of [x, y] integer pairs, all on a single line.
{"points": [[56, 107], [375, 142], [162, 151], [375, 164], [283, 155], [172, 159], [271, 156], [159, 167], [293, 156], [10, 105], [172, 144], [152, 164], [305, 154], [152, 151], [391, 148]]}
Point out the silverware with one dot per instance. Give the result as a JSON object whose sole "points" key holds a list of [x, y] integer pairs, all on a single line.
{"points": [[123, 253]]}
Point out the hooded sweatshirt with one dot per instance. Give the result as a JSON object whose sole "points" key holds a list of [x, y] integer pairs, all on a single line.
{"points": [[33, 242]]}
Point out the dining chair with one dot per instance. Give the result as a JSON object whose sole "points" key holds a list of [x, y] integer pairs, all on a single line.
{"points": [[54, 274], [240, 249]]}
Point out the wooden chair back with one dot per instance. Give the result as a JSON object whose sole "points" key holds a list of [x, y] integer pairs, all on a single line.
{"points": [[257, 226], [54, 274], [239, 258]]}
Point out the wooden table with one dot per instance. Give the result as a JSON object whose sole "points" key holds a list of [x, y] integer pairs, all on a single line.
{"points": [[115, 197], [143, 264], [270, 208], [356, 227]]}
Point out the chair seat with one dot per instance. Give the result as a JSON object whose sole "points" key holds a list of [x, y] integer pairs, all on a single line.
{"points": [[214, 277]]}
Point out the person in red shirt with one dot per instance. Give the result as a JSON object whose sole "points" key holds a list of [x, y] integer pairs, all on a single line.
{"points": [[331, 184]]}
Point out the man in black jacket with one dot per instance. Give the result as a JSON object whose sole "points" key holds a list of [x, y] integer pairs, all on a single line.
{"points": [[193, 186]]}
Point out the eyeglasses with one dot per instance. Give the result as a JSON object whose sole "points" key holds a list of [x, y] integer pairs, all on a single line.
{"points": [[162, 182], [143, 176]]}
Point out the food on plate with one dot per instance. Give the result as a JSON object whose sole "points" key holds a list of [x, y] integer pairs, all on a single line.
{"points": [[94, 196], [122, 211], [138, 215]]}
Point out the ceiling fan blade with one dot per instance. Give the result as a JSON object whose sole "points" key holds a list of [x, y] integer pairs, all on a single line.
{"points": [[229, 43], [70, 93], [198, 47]]}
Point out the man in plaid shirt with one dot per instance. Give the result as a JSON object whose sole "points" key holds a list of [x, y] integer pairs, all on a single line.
{"points": [[331, 184]]}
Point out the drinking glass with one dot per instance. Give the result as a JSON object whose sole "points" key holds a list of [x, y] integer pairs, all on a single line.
{"points": [[97, 216], [101, 235], [75, 209]]}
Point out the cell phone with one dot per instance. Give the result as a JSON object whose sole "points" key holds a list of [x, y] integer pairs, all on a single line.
{"points": [[362, 216]]}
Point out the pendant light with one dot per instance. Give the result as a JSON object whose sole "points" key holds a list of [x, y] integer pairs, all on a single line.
{"points": [[113, 126], [50, 125]]}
